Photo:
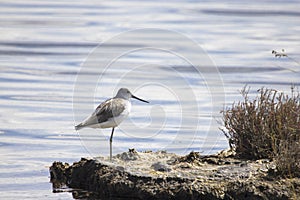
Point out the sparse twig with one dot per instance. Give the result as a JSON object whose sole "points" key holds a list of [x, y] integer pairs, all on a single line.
{"points": [[284, 54], [279, 54]]}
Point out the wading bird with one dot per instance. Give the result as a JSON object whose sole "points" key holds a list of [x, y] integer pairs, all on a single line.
{"points": [[110, 113]]}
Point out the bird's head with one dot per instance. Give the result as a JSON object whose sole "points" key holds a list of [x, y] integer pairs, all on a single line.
{"points": [[124, 93]]}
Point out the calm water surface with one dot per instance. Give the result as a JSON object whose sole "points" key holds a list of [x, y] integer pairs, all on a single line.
{"points": [[44, 45]]}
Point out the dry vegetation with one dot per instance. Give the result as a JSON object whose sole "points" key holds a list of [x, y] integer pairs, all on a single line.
{"points": [[266, 127]]}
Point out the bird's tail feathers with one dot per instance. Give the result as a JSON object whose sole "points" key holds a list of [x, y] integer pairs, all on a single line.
{"points": [[92, 120], [79, 126]]}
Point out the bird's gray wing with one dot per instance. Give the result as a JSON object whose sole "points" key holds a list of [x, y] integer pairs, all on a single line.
{"points": [[109, 109], [106, 110]]}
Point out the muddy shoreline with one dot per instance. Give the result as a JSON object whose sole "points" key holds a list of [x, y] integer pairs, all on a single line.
{"points": [[162, 175]]}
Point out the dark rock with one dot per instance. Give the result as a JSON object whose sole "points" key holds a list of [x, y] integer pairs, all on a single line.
{"points": [[58, 175], [160, 167], [225, 179], [191, 157]]}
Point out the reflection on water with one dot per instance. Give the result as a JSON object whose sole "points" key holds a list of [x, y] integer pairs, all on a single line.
{"points": [[182, 103], [42, 48]]}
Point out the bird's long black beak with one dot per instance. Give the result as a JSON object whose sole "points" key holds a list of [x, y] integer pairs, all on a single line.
{"points": [[139, 99]]}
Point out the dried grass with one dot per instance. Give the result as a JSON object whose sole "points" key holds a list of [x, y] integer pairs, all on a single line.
{"points": [[266, 127]]}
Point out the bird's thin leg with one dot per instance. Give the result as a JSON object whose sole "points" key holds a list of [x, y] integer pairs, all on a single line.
{"points": [[110, 142]]}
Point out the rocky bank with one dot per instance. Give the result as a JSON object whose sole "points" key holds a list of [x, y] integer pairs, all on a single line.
{"points": [[162, 175]]}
